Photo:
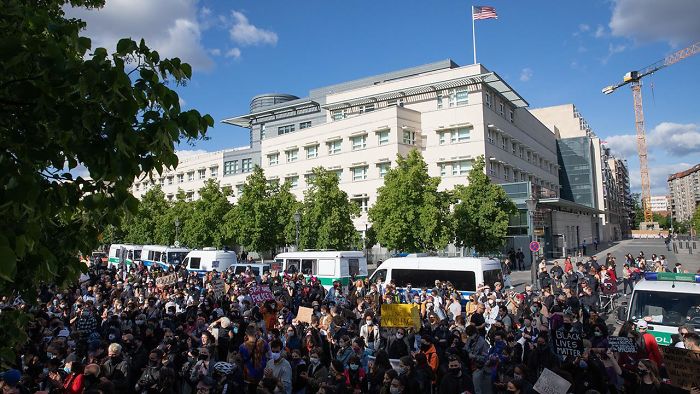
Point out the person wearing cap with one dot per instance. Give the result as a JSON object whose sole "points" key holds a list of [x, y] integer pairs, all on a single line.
{"points": [[9, 381], [651, 347]]}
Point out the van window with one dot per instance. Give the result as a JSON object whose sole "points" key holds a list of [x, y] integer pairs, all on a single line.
{"points": [[277, 265], [292, 266], [130, 255], [492, 276], [195, 262], [462, 280], [186, 263], [176, 257], [307, 267], [326, 267], [137, 255], [353, 267], [379, 274]]}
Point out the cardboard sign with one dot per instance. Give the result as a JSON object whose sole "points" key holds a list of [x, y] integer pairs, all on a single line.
{"points": [[683, 366], [218, 285], [568, 343], [167, 280], [622, 345], [261, 294], [551, 383], [400, 316], [304, 314]]}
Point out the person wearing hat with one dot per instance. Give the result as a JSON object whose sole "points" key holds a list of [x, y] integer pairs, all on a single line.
{"points": [[9, 381], [651, 347]]}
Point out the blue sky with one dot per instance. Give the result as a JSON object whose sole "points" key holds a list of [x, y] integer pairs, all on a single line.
{"points": [[551, 52]]}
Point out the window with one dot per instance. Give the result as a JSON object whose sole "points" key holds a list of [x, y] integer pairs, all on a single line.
{"points": [[202, 174], [462, 280], [136, 186], [511, 115], [441, 137], [230, 167], [285, 129], [293, 181], [359, 173], [383, 137], [442, 168], [304, 125], [529, 156], [338, 174], [334, 147], [239, 190], [409, 137], [383, 169], [273, 159], [492, 169], [246, 165], [338, 114], [273, 182], [311, 151], [394, 102], [262, 131], [521, 151], [190, 176], [439, 100], [490, 135], [489, 100], [506, 173], [461, 167], [194, 263], [523, 177], [189, 196], [504, 143], [362, 203], [366, 108], [170, 180], [292, 155], [161, 181], [359, 142], [180, 178], [515, 148], [214, 172], [500, 108], [460, 135], [457, 97], [309, 178]]}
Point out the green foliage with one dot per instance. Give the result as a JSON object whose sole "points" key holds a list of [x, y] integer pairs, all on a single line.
{"points": [[326, 215], [62, 105], [261, 219], [140, 228], [410, 214], [178, 211], [483, 211], [203, 226], [695, 222], [637, 209]]}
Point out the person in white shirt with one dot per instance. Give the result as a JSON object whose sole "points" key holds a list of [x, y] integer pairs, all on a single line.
{"points": [[454, 307], [279, 368]]}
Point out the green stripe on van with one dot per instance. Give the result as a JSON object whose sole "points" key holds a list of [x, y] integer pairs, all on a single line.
{"points": [[329, 281]]}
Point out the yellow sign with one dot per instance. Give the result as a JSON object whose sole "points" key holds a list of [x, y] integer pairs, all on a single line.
{"points": [[400, 315]]}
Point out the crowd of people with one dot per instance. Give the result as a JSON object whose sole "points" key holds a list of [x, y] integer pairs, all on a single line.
{"points": [[121, 331]]}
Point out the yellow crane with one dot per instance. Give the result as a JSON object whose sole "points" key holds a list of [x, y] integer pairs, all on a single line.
{"points": [[634, 78]]}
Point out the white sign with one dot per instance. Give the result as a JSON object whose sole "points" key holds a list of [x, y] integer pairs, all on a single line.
{"points": [[551, 383]]}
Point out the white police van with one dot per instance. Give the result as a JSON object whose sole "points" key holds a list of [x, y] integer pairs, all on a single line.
{"points": [[209, 259], [123, 254], [163, 256], [465, 273]]}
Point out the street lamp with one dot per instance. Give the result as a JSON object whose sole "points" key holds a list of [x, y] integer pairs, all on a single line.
{"points": [[531, 204], [297, 219], [177, 232]]}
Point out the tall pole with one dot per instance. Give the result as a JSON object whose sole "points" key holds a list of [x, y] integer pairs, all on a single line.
{"points": [[473, 35]]}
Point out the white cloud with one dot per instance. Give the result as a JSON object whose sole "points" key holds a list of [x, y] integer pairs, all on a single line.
{"points": [[612, 50], [234, 53], [244, 33], [599, 32], [673, 139], [215, 52], [623, 145], [584, 27], [526, 74], [673, 21], [171, 27], [185, 154], [658, 177]]}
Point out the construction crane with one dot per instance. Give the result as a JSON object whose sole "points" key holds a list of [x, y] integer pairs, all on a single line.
{"points": [[634, 78]]}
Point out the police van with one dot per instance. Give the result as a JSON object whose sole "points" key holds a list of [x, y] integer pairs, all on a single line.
{"points": [[163, 256], [666, 301], [328, 266], [209, 259], [123, 254], [419, 270]]}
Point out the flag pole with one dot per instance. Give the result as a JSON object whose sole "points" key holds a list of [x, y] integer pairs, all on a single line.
{"points": [[473, 35]]}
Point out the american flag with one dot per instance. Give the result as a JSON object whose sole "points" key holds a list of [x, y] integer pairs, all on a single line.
{"points": [[484, 12]]}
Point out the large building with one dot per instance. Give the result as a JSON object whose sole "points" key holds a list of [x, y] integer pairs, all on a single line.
{"points": [[684, 188], [659, 204], [624, 203]]}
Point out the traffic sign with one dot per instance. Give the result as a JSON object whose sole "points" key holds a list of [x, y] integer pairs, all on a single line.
{"points": [[534, 246]]}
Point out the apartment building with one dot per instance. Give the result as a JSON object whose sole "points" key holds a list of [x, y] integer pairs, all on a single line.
{"points": [[620, 173], [659, 204], [684, 189]]}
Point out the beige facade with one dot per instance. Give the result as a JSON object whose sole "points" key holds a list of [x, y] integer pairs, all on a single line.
{"points": [[659, 204], [684, 189]]}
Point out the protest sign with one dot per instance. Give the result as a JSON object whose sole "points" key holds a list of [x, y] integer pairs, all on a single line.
{"points": [[261, 294], [400, 315], [218, 285], [622, 345], [568, 343], [304, 314], [551, 383], [683, 366], [167, 280]]}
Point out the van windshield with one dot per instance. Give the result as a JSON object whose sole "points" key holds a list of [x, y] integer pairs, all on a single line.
{"points": [[493, 276], [461, 280], [137, 255], [666, 308], [175, 258]]}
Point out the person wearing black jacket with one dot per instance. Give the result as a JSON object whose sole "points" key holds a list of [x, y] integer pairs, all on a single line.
{"points": [[116, 368], [397, 345], [148, 382], [457, 380]]}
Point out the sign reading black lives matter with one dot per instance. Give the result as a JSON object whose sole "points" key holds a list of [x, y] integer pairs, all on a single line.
{"points": [[622, 345], [568, 343]]}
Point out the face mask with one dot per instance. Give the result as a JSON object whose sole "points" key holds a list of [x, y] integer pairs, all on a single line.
{"points": [[370, 322], [517, 376], [354, 367], [401, 370], [583, 364], [399, 335], [454, 371], [598, 334], [45, 371], [235, 329], [314, 360], [275, 356], [642, 373], [394, 390], [66, 369], [416, 300], [492, 303]]}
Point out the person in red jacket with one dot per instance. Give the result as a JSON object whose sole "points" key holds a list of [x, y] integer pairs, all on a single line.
{"points": [[650, 345], [73, 384]]}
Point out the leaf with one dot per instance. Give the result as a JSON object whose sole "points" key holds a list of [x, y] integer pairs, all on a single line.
{"points": [[8, 263]]}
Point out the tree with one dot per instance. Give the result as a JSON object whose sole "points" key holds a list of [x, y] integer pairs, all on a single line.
{"points": [[326, 214], [63, 105], [203, 227], [695, 222], [140, 228], [178, 211], [260, 219], [637, 209], [410, 214], [482, 212]]}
